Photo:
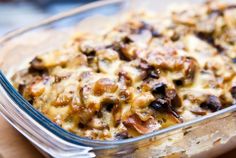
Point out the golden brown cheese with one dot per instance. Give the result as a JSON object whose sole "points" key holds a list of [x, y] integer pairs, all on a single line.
{"points": [[149, 72]]}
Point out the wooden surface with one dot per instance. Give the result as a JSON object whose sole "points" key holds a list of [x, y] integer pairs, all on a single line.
{"points": [[14, 145]]}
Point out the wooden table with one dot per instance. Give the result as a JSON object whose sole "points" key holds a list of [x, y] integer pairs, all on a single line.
{"points": [[14, 145]]}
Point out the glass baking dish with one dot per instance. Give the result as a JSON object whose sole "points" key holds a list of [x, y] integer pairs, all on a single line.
{"points": [[207, 136]]}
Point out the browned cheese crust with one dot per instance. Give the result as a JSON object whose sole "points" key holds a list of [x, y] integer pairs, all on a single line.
{"points": [[148, 72]]}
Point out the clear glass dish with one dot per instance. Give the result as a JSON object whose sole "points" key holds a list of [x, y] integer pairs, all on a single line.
{"points": [[212, 134]]}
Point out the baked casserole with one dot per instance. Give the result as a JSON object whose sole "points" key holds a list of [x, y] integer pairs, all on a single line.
{"points": [[149, 71]]}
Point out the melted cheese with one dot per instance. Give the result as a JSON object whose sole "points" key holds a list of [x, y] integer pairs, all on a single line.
{"points": [[148, 72]]}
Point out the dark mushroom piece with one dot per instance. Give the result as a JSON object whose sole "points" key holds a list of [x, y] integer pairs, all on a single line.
{"points": [[159, 105], [164, 106], [125, 79], [37, 65], [146, 26], [179, 82], [88, 50], [175, 36], [116, 111], [143, 127], [109, 103], [208, 37], [122, 48], [212, 103], [159, 88], [149, 71], [112, 105], [190, 71], [174, 98], [167, 100], [21, 88], [109, 106], [233, 92], [122, 135]]}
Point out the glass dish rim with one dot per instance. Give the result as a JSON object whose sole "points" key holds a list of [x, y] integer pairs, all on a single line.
{"points": [[60, 132]]}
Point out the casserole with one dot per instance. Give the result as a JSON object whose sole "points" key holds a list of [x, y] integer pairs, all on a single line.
{"points": [[186, 139]]}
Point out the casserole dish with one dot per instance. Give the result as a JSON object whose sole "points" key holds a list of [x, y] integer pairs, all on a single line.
{"points": [[18, 47]]}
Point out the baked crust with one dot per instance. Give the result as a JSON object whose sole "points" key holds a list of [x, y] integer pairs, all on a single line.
{"points": [[148, 72]]}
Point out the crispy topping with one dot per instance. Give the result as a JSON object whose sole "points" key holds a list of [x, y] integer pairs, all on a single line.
{"points": [[147, 72], [104, 85]]}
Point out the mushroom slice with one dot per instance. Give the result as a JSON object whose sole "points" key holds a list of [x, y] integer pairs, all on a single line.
{"points": [[141, 126]]}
